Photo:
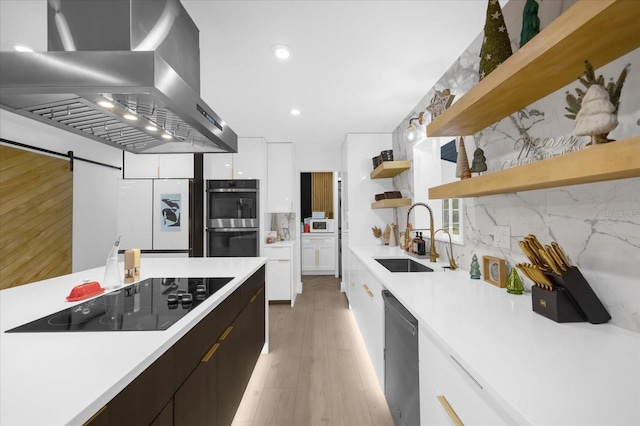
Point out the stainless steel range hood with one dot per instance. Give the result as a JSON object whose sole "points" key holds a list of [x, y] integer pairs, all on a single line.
{"points": [[140, 56]]}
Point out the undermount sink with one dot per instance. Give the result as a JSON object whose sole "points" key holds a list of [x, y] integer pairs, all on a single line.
{"points": [[403, 265]]}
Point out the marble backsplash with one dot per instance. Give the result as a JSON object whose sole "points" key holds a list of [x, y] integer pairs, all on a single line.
{"points": [[598, 225]]}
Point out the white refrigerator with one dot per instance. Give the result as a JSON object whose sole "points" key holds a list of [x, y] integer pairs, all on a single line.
{"points": [[153, 214]]}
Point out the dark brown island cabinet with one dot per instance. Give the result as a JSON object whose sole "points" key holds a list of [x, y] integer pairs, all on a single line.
{"points": [[200, 380]]}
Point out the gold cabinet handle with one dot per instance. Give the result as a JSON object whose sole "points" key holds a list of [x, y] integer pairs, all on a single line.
{"points": [[447, 407], [259, 290], [283, 260], [253, 298], [370, 293], [209, 354], [366, 287], [95, 416], [226, 333]]}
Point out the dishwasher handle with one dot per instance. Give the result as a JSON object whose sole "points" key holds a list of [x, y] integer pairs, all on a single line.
{"points": [[393, 307]]}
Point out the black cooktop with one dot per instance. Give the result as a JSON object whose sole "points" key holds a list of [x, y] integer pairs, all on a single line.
{"points": [[151, 304]]}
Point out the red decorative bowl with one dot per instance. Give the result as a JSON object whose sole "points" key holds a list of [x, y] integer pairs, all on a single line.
{"points": [[84, 291]]}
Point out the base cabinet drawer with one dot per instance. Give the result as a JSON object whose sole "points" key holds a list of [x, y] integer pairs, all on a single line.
{"points": [[201, 379], [461, 394], [432, 411]]}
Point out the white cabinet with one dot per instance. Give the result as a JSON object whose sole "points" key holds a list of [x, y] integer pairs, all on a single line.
{"points": [[217, 166], [433, 403], [365, 297], [279, 274], [454, 387], [248, 163], [279, 177], [318, 254], [153, 166], [371, 320]]}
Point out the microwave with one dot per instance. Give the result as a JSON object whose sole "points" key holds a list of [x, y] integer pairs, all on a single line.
{"points": [[321, 225]]}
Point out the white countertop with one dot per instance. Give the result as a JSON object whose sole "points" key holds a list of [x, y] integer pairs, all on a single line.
{"points": [[64, 378], [545, 373]]}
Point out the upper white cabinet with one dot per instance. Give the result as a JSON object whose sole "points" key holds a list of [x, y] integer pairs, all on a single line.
{"points": [[280, 177], [248, 163], [154, 166]]}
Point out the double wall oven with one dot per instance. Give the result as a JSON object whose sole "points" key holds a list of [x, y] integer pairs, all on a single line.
{"points": [[233, 224]]}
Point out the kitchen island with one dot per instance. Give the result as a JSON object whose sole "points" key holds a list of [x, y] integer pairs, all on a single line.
{"points": [[64, 378], [498, 362]]}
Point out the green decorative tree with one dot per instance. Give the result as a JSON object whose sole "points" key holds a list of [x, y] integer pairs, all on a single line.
{"points": [[514, 284], [474, 272], [530, 22], [496, 47]]}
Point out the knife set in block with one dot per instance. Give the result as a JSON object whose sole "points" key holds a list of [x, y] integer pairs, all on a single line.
{"points": [[560, 293], [131, 266], [570, 300]]}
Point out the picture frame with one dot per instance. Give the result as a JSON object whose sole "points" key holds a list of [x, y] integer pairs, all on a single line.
{"points": [[494, 271]]}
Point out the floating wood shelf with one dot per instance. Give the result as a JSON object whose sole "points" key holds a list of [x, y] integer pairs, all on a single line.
{"points": [[391, 203], [598, 31], [390, 169], [614, 160]]}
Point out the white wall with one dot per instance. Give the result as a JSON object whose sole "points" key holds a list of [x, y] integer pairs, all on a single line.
{"points": [[361, 189], [94, 187], [596, 224]]}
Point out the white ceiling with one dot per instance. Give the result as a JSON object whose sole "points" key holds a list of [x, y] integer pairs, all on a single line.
{"points": [[357, 66]]}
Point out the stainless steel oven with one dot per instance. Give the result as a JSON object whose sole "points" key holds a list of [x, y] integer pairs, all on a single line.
{"points": [[233, 212]]}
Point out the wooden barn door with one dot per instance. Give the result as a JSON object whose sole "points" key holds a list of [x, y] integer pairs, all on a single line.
{"points": [[36, 209]]}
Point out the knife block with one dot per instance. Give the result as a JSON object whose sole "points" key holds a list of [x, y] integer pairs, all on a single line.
{"points": [[582, 294], [556, 305], [577, 295]]}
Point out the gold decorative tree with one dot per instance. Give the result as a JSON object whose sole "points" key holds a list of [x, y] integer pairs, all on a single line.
{"points": [[462, 162]]}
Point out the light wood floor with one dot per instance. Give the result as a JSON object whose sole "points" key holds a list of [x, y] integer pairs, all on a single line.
{"points": [[318, 371]]}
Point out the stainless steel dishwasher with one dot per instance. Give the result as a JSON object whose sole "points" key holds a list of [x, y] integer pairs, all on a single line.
{"points": [[401, 385]]}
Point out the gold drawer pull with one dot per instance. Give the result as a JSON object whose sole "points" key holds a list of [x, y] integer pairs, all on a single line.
{"points": [[253, 298], [259, 290], [283, 260], [226, 333], [452, 414], [209, 354], [365, 287], [95, 416], [370, 293]]}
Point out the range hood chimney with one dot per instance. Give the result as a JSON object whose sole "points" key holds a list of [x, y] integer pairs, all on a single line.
{"points": [[122, 72]]}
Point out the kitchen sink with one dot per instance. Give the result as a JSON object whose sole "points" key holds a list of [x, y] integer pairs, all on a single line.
{"points": [[403, 265]]}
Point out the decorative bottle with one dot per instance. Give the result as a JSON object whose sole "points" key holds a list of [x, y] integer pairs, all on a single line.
{"points": [[112, 277]]}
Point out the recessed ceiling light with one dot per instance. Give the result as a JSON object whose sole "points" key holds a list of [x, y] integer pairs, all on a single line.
{"points": [[295, 111], [166, 136], [282, 51], [130, 117], [21, 47], [106, 104], [151, 128]]}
